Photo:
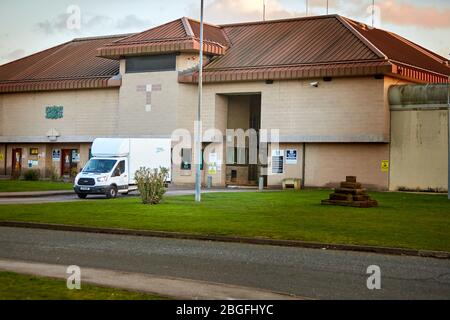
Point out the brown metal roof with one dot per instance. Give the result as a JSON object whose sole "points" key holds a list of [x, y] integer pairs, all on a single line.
{"points": [[291, 42], [397, 48], [325, 42], [282, 49], [181, 35], [70, 65]]}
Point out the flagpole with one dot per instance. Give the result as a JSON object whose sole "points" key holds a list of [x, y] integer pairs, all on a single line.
{"points": [[198, 149]]}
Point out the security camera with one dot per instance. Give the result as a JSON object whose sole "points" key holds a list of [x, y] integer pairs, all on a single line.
{"points": [[314, 84]]}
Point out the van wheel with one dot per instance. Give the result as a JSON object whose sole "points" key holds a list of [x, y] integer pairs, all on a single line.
{"points": [[111, 193], [82, 195]]}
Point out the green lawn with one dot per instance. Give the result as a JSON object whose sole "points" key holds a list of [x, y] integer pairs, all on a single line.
{"points": [[21, 185], [402, 220], [23, 287]]}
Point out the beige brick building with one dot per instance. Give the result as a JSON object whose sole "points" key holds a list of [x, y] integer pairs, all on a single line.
{"points": [[324, 90]]}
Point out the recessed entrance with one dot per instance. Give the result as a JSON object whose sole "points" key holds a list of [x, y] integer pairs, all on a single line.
{"points": [[243, 166]]}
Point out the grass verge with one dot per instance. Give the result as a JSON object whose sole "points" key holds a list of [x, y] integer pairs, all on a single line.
{"points": [[24, 186], [402, 220], [15, 286]]}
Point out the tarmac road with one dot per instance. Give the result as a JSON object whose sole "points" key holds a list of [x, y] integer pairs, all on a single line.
{"points": [[309, 273]]}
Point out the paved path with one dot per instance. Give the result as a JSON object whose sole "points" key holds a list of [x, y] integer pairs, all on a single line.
{"points": [[140, 282], [310, 273], [73, 197]]}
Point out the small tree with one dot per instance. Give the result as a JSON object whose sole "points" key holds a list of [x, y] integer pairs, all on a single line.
{"points": [[151, 184]]}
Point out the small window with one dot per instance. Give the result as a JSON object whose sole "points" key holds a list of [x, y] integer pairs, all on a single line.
{"points": [[186, 159], [166, 62], [120, 169]]}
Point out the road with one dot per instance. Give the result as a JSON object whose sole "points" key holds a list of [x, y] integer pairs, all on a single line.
{"points": [[310, 273]]}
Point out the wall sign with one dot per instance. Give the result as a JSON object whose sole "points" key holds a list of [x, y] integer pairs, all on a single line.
{"points": [[34, 151], [385, 166], [75, 156], [54, 112], [1, 156], [56, 154], [33, 163], [277, 161], [291, 156]]}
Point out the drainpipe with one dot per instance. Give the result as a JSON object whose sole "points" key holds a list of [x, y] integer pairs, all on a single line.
{"points": [[303, 164]]}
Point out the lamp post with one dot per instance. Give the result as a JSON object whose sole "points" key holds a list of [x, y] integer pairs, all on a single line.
{"points": [[198, 134]]}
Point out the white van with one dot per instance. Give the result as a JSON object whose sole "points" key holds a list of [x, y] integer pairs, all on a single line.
{"points": [[114, 162]]}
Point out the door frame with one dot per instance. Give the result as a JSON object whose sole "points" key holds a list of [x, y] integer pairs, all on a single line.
{"points": [[14, 161]]}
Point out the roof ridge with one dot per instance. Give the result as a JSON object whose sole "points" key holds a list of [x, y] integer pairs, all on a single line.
{"points": [[228, 25], [369, 44], [123, 35], [154, 27]]}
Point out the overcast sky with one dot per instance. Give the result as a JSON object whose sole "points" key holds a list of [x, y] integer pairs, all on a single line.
{"points": [[30, 26]]}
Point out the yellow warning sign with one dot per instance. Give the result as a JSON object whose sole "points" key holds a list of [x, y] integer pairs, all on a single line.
{"points": [[385, 165]]}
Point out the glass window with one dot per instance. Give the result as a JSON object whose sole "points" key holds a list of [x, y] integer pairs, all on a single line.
{"points": [[99, 166], [166, 62], [186, 159]]}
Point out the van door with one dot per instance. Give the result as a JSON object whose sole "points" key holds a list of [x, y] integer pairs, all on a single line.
{"points": [[120, 176]]}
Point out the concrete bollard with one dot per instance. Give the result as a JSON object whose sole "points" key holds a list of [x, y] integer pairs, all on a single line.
{"points": [[209, 182], [261, 184]]}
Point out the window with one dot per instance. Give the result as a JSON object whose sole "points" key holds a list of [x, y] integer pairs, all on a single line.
{"points": [[166, 62], [237, 155], [186, 159], [121, 167]]}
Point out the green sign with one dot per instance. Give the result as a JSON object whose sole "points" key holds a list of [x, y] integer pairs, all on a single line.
{"points": [[54, 112]]}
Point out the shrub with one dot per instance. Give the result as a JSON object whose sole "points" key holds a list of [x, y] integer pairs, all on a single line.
{"points": [[151, 184], [32, 175]]}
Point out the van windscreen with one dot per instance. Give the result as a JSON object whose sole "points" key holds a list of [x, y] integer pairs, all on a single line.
{"points": [[99, 166]]}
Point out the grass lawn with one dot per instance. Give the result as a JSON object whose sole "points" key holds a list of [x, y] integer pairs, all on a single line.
{"points": [[20, 185], [402, 220], [23, 287]]}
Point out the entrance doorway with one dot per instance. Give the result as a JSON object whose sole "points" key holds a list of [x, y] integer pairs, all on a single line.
{"points": [[244, 112], [68, 165], [16, 162]]}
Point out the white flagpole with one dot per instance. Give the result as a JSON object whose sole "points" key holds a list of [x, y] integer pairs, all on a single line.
{"points": [[198, 148]]}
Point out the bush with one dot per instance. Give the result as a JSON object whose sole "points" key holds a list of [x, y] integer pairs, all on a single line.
{"points": [[151, 184], [32, 175]]}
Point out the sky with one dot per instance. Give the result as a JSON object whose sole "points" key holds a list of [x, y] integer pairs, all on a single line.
{"points": [[27, 26]]}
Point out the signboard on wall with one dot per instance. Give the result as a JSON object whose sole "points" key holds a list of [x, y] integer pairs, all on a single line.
{"points": [[277, 161], [1, 157], [54, 112], [75, 156], [291, 156], [56, 155], [33, 163], [385, 166]]}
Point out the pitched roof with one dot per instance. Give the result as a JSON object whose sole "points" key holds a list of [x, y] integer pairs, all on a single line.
{"points": [[316, 47], [181, 35], [71, 65], [319, 46]]}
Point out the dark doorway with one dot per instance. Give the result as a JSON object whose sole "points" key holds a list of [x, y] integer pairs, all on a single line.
{"points": [[16, 162], [68, 166]]}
